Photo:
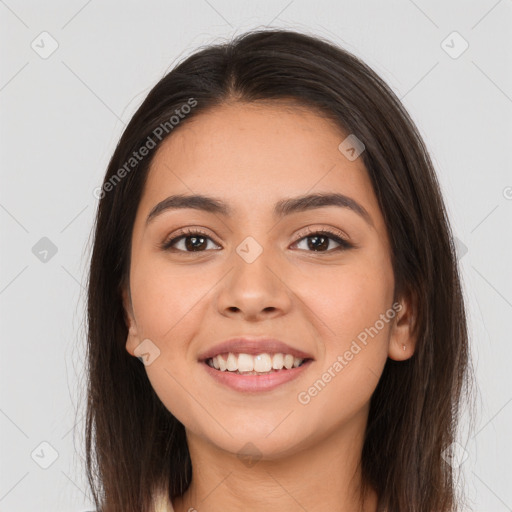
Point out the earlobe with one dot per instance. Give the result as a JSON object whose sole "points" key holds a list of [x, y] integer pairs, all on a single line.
{"points": [[132, 339], [402, 341]]}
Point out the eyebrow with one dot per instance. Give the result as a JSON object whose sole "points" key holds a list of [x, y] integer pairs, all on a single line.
{"points": [[282, 208]]}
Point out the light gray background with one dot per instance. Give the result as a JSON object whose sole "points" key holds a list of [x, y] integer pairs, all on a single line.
{"points": [[62, 116]]}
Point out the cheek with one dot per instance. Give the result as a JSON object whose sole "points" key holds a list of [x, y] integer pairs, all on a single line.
{"points": [[169, 303], [167, 298], [356, 320], [165, 306], [349, 300]]}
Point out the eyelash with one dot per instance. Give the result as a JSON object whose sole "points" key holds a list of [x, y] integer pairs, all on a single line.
{"points": [[189, 232]]}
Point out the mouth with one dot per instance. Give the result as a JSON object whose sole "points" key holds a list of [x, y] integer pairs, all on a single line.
{"points": [[259, 364], [252, 364], [255, 374]]}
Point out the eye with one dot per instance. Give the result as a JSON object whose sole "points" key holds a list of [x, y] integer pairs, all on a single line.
{"points": [[317, 241], [194, 240]]}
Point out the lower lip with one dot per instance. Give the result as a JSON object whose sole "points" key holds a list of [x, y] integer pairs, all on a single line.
{"points": [[256, 383]]}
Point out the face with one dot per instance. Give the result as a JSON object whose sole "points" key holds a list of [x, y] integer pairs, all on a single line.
{"points": [[316, 277]]}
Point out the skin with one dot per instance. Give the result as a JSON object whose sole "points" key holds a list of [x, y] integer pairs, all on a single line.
{"points": [[251, 156]]}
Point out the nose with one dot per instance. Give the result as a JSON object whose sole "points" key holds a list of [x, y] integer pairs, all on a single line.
{"points": [[254, 289]]}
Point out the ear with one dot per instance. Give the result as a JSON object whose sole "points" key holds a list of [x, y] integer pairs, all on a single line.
{"points": [[402, 340], [132, 340]]}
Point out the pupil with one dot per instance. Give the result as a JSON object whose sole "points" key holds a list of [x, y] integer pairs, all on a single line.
{"points": [[315, 239], [195, 243], [191, 246]]}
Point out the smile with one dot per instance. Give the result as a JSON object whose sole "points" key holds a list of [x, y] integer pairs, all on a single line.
{"points": [[255, 373], [247, 364]]}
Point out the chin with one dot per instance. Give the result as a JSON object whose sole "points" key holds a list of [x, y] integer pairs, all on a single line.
{"points": [[260, 442]]}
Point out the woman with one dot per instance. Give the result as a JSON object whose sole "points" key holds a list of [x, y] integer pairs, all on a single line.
{"points": [[275, 313]]}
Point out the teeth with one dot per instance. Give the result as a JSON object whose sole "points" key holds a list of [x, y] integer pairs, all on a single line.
{"points": [[245, 363], [278, 361], [261, 363], [231, 363]]}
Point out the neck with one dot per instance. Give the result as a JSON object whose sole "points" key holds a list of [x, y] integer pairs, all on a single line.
{"points": [[323, 476]]}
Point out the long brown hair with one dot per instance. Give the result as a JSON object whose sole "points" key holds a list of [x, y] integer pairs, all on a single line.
{"points": [[133, 443]]}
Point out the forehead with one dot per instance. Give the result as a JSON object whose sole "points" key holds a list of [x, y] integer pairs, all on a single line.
{"points": [[252, 155]]}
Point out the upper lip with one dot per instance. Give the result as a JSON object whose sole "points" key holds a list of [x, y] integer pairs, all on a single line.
{"points": [[254, 346]]}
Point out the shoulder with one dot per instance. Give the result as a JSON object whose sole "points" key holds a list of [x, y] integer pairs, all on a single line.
{"points": [[161, 503]]}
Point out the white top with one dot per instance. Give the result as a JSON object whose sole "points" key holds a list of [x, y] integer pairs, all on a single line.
{"points": [[162, 503]]}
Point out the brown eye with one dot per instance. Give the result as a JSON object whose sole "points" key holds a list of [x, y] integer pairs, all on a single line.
{"points": [[197, 241], [319, 241], [190, 241]]}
